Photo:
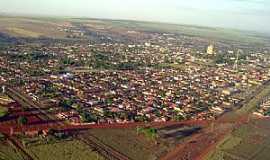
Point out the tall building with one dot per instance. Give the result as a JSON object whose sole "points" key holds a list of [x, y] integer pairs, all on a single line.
{"points": [[210, 49]]}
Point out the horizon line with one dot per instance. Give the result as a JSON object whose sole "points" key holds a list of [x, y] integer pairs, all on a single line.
{"points": [[32, 15]]}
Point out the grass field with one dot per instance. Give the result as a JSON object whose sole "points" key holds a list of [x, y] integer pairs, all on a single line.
{"points": [[7, 152], [67, 150], [3, 111], [129, 143]]}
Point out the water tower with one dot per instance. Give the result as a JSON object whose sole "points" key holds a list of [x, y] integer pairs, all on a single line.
{"points": [[210, 49], [3, 89]]}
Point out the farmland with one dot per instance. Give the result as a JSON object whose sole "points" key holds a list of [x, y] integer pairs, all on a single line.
{"points": [[33, 28], [192, 30], [23, 32], [47, 27]]}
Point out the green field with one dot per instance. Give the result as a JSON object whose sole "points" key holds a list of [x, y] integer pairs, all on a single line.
{"points": [[66, 150], [3, 111]]}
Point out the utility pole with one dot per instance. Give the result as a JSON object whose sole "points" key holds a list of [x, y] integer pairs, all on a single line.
{"points": [[235, 66]]}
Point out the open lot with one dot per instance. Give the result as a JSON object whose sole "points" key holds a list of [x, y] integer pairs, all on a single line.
{"points": [[136, 145], [127, 142]]}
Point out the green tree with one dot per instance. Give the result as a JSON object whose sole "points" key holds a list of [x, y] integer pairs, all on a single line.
{"points": [[88, 117], [22, 120], [66, 104], [220, 58]]}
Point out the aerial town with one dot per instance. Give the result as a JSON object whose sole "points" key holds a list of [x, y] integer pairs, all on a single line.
{"points": [[106, 79], [123, 83]]}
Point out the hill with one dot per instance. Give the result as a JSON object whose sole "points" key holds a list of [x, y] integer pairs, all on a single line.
{"points": [[35, 27]]}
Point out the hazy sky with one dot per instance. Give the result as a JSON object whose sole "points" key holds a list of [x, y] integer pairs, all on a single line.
{"points": [[242, 14]]}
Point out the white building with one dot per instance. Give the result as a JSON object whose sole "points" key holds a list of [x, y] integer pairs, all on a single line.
{"points": [[210, 49]]}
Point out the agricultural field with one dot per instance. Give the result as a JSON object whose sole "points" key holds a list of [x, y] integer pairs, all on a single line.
{"points": [[31, 27], [128, 142], [192, 30], [71, 150], [23, 32], [49, 27], [125, 26], [250, 141]]}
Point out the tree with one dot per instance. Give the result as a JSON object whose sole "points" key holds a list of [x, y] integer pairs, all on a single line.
{"points": [[140, 118], [22, 120], [148, 132], [220, 58], [123, 115], [78, 107], [66, 104], [67, 61], [178, 117], [88, 117], [127, 66]]}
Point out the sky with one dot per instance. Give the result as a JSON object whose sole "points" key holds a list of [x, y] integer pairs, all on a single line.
{"points": [[239, 14]]}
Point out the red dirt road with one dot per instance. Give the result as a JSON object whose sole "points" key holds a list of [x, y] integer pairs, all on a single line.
{"points": [[51, 125]]}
